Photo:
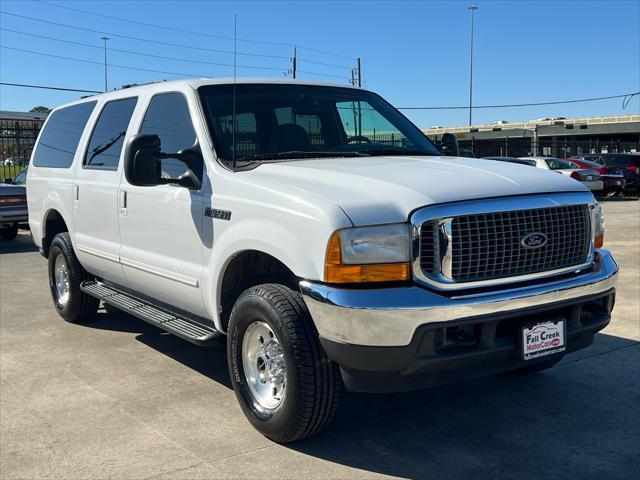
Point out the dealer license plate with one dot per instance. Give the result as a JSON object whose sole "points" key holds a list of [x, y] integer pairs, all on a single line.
{"points": [[543, 339]]}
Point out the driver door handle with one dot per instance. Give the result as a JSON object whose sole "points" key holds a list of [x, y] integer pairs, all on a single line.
{"points": [[123, 202]]}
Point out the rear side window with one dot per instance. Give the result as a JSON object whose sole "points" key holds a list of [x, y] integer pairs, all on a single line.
{"points": [[108, 135], [59, 139]]}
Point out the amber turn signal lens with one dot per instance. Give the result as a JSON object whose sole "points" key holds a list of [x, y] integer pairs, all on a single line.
{"points": [[389, 272], [336, 272], [599, 241]]}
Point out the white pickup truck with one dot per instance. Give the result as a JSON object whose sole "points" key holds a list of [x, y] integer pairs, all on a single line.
{"points": [[320, 231]]}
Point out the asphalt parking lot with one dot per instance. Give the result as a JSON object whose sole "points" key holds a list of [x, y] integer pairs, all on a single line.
{"points": [[118, 398]]}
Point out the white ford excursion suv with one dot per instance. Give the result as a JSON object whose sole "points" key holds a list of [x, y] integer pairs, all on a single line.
{"points": [[321, 232]]}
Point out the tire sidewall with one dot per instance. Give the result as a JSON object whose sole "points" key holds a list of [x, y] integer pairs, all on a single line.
{"points": [[58, 248], [270, 422]]}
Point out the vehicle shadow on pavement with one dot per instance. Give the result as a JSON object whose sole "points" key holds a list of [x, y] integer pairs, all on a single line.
{"points": [[21, 244], [577, 420], [210, 361]]}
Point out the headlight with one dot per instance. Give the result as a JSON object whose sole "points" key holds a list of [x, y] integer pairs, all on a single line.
{"points": [[368, 254], [597, 221]]}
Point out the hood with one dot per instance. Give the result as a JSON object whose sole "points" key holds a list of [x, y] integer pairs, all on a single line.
{"points": [[374, 190]]}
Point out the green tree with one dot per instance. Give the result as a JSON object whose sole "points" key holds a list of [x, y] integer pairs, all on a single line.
{"points": [[40, 109]]}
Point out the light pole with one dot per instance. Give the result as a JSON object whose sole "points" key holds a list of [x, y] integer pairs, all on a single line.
{"points": [[105, 38], [473, 8]]}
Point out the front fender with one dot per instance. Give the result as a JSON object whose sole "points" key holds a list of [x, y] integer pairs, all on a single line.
{"points": [[300, 244]]}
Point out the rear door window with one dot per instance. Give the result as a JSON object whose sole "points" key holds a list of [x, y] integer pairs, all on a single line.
{"points": [[59, 140], [108, 135]]}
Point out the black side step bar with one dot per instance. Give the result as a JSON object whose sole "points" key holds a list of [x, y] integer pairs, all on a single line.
{"points": [[178, 324]]}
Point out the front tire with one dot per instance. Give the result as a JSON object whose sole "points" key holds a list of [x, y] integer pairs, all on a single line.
{"points": [[286, 385], [65, 276]]}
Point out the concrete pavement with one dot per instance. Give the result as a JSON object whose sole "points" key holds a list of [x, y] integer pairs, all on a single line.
{"points": [[118, 398]]}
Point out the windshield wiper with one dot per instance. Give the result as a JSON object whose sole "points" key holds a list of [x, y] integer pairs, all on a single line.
{"points": [[395, 151], [298, 154]]}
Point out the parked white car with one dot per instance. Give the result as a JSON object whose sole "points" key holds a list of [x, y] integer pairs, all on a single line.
{"points": [[589, 178], [321, 232]]}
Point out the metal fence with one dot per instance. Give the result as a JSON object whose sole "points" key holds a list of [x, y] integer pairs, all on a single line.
{"points": [[559, 148], [16, 144]]}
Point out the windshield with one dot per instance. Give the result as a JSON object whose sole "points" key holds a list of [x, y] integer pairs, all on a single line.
{"points": [[591, 164], [557, 164], [622, 160], [302, 121]]}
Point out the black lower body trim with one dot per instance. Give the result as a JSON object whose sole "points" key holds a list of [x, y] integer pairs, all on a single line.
{"points": [[453, 351]]}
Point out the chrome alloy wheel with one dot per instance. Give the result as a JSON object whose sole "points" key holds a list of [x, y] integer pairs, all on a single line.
{"points": [[263, 364], [61, 279]]}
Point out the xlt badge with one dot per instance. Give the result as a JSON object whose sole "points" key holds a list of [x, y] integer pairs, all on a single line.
{"points": [[215, 213]]}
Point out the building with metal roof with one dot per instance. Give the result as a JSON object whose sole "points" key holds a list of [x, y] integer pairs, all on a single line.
{"points": [[558, 137]]}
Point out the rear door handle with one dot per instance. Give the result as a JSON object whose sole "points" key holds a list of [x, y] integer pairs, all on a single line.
{"points": [[123, 202], [76, 195]]}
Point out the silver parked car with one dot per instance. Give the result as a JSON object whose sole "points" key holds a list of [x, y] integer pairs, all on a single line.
{"points": [[590, 178]]}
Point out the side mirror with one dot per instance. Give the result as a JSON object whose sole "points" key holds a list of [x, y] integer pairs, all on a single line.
{"points": [[142, 160], [192, 158], [142, 157], [450, 146]]}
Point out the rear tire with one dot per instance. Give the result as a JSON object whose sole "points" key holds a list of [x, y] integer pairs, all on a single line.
{"points": [[307, 388], [10, 232], [65, 276]]}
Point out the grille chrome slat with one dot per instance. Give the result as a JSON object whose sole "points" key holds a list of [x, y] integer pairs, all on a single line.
{"points": [[487, 246]]}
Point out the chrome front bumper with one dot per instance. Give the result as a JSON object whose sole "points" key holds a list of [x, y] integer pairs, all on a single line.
{"points": [[390, 316]]}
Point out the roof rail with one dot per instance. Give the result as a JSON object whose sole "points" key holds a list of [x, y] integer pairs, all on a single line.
{"points": [[131, 85]]}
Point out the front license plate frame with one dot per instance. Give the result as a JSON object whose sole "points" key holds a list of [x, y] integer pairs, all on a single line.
{"points": [[543, 339]]}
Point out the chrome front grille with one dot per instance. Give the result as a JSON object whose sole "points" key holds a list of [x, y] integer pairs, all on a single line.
{"points": [[429, 248], [485, 243], [490, 246]]}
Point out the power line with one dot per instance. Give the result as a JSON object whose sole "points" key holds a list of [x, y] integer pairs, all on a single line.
{"points": [[458, 107], [628, 95], [140, 39], [126, 67], [47, 87], [132, 52], [322, 74], [192, 32], [323, 63]]}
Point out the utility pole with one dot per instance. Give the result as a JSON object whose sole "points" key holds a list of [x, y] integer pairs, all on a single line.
{"points": [[473, 8], [294, 61], [534, 142], [105, 38], [359, 73]]}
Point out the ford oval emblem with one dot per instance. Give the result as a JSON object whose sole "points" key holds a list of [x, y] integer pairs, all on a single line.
{"points": [[534, 240]]}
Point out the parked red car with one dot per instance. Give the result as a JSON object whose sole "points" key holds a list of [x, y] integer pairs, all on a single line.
{"points": [[612, 177], [627, 162]]}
